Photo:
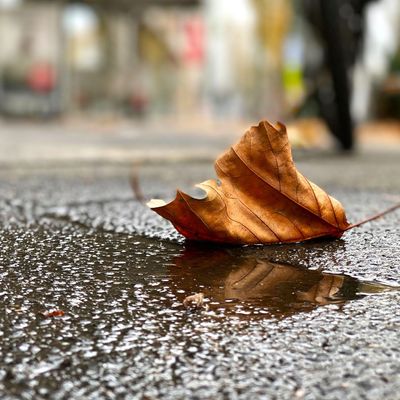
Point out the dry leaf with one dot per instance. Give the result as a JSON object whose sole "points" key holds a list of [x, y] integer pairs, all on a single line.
{"points": [[261, 197], [53, 313], [195, 301]]}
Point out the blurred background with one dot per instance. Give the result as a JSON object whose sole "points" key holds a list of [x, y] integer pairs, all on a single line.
{"points": [[135, 74]]}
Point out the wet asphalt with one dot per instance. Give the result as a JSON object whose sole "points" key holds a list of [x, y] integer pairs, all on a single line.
{"points": [[304, 321]]}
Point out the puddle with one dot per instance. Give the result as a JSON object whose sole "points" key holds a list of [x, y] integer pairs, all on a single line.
{"points": [[241, 281], [121, 302], [233, 281]]}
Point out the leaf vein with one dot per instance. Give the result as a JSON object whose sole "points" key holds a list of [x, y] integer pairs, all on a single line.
{"points": [[283, 194], [333, 209], [316, 199], [291, 221], [229, 217], [194, 212], [276, 160]]}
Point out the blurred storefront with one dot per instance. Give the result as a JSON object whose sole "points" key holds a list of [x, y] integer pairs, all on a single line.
{"points": [[30, 56], [217, 59], [74, 57], [162, 59]]}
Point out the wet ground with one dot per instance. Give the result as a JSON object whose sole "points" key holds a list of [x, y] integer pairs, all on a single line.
{"points": [[318, 320]]}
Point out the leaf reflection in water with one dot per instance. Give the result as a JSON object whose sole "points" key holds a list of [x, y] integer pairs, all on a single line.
{"points": [[250, 285]]}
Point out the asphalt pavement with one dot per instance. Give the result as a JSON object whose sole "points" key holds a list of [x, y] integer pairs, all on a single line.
{"points": [[317, 320]]}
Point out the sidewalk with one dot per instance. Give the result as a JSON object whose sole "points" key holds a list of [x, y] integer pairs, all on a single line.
{"points": [[113, 148], [73, 239], [114, 141], [124, 141]]}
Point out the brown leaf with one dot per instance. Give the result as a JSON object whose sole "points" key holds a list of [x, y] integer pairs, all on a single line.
{"points": [[195, 301], [261, 197], [53, 313]]}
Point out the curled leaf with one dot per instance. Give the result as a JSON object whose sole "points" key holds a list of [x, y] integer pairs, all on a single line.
{"points": [[261, 197]]}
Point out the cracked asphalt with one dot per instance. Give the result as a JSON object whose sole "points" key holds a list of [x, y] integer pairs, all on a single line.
{"points": [[307, 321]]}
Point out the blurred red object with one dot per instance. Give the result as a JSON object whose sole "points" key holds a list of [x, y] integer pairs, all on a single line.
{"points": [[54, 313], [194, 41], [41, 78]]}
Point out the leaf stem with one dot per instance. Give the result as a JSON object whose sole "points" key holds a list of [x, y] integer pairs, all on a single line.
{"points": [[376, 216], [135, 184]]}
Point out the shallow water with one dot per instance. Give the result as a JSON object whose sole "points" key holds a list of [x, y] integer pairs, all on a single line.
{"points": [[122, 295]]}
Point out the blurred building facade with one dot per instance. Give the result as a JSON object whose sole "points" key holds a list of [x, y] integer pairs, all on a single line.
{"points": [[223, 59], [204, 57], [30, 57]]}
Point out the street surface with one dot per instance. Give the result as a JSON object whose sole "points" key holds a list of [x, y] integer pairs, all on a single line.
{"points": [[74, 239]]}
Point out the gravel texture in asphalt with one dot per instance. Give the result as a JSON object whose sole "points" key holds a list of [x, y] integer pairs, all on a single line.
{"points": [[315, 320]]}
